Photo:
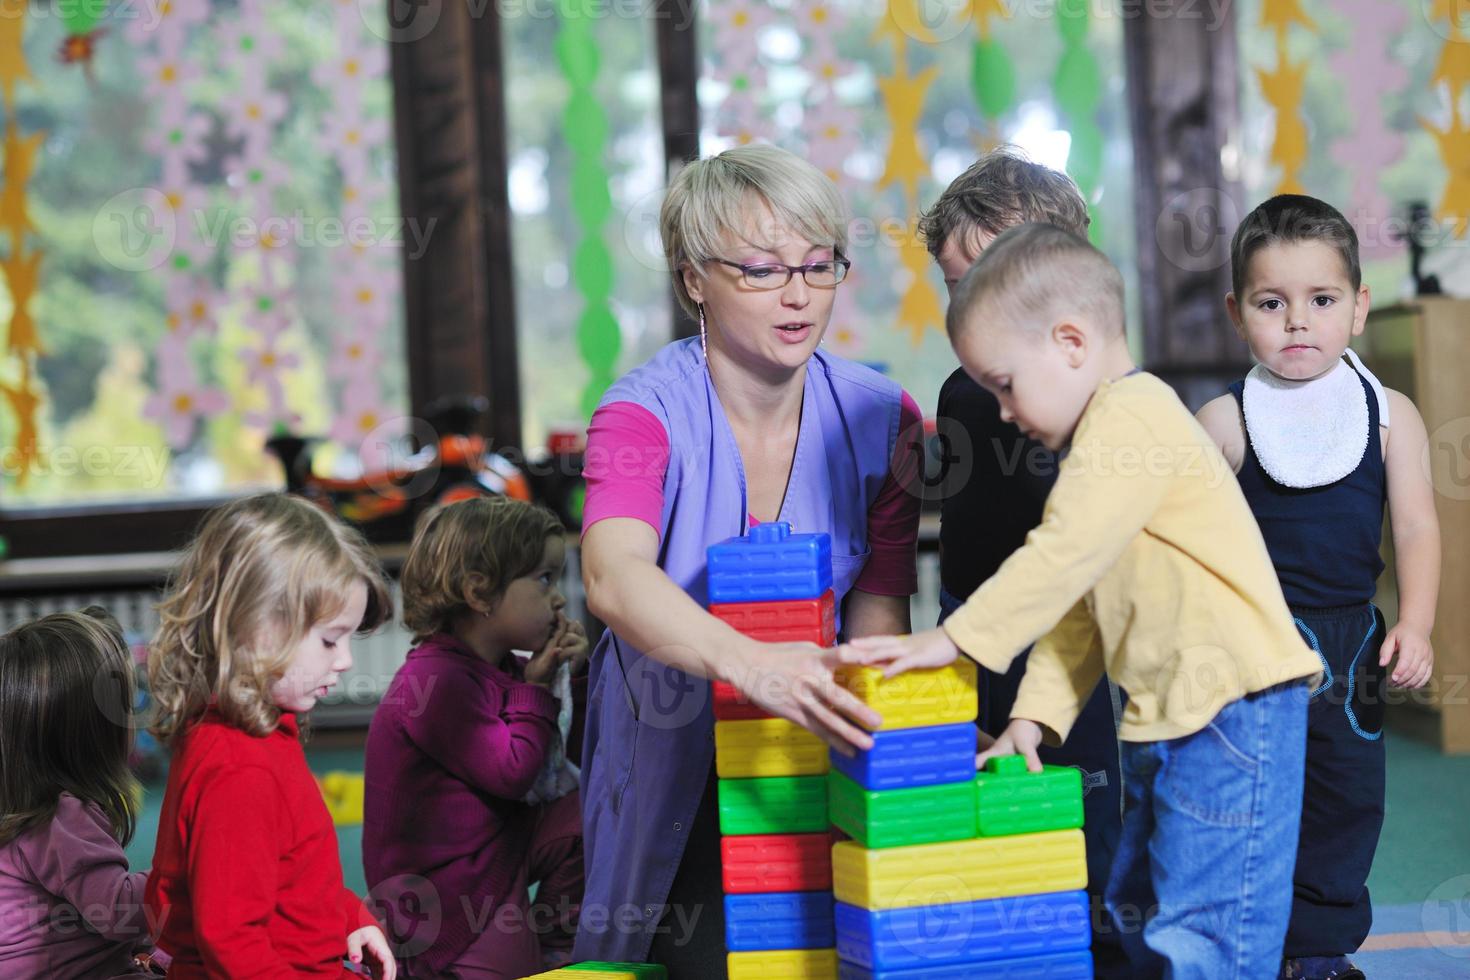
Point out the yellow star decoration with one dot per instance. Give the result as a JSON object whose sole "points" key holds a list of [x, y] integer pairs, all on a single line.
{"points": [[1454, 148], [20, 269], [903, 96], [20, 276], [24, 400], [1282, 88], [903, 99], [1453, 68], [919, 310], [901, 22], [20, 158], [986, 10], [13, 67], [1279, 15]]}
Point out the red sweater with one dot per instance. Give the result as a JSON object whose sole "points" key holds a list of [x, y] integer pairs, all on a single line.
{"points": [[246, 879]]}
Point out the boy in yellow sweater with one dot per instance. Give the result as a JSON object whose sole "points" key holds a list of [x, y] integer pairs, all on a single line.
{"points": [[1147, 564]]}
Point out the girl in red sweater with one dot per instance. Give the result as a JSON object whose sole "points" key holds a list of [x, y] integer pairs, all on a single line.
{"points": [[469, 797], [246, 881]]}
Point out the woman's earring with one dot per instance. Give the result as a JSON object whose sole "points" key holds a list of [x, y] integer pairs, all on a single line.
{"points": [[703, 341]]}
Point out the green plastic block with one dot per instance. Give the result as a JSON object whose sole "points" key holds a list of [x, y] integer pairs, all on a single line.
{"points": [[1009, 800], [773, 805], [898, 817], [643, 971]]}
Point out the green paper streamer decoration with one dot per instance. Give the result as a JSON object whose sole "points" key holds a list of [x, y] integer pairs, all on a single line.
{"points": [[584, 128], [81, 16], [1077, 89], [992, 78]]}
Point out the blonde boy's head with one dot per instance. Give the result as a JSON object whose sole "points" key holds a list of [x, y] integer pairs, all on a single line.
{"points": [[1031, 276], [1038, 322]]}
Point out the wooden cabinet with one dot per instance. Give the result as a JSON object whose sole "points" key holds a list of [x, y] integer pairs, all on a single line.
{"points": [[1423, 349]]}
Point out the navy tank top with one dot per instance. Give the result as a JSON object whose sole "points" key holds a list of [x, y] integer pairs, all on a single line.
{"points": [[1323, 540]]}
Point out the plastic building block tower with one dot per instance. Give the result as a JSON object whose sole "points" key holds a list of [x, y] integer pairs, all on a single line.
{"points": [[949, 873], [776, 849]]}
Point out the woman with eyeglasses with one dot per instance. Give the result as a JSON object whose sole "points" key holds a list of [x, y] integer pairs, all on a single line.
{"points": [[749, 423]]}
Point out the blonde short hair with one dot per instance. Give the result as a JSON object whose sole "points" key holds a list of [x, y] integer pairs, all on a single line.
{"points": [[1033, 273], [1002, 189], [471, 549], [261, 572], [710, 200]]}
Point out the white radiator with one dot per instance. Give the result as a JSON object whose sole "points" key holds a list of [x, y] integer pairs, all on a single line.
{"points": [[375, 658]]}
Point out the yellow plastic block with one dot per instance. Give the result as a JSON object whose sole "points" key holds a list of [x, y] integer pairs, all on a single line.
{"points": [[958, 871], [783, 964], [916, 698], [343, 793], [760, 747]]}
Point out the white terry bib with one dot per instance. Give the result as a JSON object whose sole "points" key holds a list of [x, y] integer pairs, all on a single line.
{"points": [[1307, 433]]}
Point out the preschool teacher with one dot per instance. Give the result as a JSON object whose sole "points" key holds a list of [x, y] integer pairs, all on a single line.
{"points": [[746, 424]]}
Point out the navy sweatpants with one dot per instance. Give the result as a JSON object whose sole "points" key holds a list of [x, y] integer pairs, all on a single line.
{"points": [[1342, 805]]}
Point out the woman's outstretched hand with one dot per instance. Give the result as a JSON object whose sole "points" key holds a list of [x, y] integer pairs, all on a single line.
{"points": [[797, 681]]}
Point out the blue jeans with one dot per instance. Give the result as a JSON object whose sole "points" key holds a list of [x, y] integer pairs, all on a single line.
{"points": [[1201, 886]]}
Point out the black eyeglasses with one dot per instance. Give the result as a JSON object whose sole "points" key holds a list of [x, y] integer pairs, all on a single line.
{"points": [[775, 275]]}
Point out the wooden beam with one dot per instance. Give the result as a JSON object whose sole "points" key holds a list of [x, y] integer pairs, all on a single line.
{"points": [[1182, 83], [459, 299], [678, 69]]}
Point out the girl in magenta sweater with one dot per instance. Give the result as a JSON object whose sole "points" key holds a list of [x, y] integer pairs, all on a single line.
{"points": [[469, 799], [69, 907], [247, 881]]}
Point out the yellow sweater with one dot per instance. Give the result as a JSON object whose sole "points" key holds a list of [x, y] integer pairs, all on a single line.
{"points": [[1148, 563]]}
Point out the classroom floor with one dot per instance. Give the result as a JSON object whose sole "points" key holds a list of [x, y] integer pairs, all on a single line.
{"points": [[1420, 882]]}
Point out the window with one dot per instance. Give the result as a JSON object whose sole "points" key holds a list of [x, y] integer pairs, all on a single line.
{"points": [[811, 78], [546, 232], [1359, 134], [214, 205]]}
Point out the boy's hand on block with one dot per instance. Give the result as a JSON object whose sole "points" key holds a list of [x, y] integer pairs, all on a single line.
{"points": [[1416, 656], [370, 939], [896, 654], [1021, 737]]}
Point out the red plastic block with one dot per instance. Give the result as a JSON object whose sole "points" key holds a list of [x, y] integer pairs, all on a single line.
{"points": [[776, 863], [730, 704], [783, 621]]}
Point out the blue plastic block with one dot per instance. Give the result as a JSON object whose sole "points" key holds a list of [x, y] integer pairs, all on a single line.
{"points": [[770, 564], [964, 932], [1076, 965], [778, 920], [909, 757]]}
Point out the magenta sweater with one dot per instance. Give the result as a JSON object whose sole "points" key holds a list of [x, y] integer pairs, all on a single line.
{"points": [[69, 907], [452, 748]]}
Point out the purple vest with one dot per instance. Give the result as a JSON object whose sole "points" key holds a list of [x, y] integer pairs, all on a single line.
{"points": [[650, 728]]}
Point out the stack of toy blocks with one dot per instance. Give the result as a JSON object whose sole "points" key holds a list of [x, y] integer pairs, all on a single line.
{"points": [[951, 874], [596, 970], [775, 854]]}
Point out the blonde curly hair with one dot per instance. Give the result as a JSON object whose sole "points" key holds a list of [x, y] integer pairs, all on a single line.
{"points": [[261, 572]]}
